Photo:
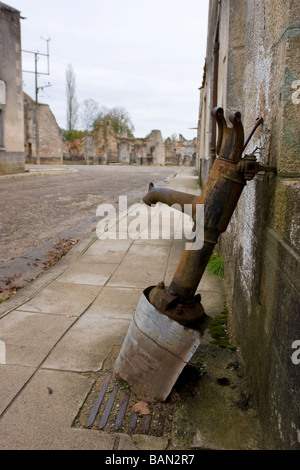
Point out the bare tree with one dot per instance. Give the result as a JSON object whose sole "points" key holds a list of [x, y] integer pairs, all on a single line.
{"points": [[89, 113], [72, 103]]}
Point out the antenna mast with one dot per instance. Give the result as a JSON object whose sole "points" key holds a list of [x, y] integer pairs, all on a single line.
{"points": [[37, 88]]}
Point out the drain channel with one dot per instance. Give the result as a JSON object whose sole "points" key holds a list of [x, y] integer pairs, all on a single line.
{"points": [[109, 408]]}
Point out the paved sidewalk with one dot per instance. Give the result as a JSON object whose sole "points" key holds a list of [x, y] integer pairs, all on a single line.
{"points": [[63, 332]]}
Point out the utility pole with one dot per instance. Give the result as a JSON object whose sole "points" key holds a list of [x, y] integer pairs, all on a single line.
{"points": [[37, 88]]}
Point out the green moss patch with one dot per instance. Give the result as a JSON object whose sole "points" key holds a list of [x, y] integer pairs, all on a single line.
{"points": [[218, 330]]}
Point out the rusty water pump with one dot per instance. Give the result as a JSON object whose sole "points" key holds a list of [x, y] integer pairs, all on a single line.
{"points": [[227, 179], [169, 322]]}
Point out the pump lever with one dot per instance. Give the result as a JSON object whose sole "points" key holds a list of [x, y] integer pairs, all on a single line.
{"points": [[258, 121]]}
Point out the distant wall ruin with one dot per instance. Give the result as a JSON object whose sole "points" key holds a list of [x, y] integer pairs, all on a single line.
{"points": [[103, 146], [49, 134]]}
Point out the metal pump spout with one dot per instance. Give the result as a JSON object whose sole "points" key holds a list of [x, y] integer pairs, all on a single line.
{"points": [[227, 179], [170, 197]]}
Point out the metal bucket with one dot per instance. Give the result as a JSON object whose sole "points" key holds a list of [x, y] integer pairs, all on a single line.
{"points": [[155, 351]]}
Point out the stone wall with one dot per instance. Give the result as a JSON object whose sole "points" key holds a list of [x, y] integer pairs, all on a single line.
{"points": [[258, 74], [181, 151], [103, 146], [155, 148], [123, 152], [11, 96], [107, 147], [50, 148], [50, 136]]}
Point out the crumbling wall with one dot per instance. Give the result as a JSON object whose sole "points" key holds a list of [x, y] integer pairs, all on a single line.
{"points": [[123, 152], [139, 154], [181, 151], [155, 148], [29, 129], [90, 151], [50, 137], [104, 146]]}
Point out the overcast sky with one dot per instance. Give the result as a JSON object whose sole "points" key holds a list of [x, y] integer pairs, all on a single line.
{"points": [[146, 56]]}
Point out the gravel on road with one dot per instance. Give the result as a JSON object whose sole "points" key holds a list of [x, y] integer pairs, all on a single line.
{"points": [[55, 206], [37, 208]]}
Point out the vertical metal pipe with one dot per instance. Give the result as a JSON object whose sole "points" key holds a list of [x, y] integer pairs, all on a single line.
{"points": [[215, 95], [219, 196], [37, 134]]}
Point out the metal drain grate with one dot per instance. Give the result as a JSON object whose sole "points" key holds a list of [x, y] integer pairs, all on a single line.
{"points": [[109, 408]]}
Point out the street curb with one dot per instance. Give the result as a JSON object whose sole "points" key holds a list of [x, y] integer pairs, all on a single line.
{"points": [[26, 293]]}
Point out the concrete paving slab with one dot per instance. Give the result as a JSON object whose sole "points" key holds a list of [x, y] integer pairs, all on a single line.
{"points": [[212, 292], [213, 302], [141, 267], [12, 379], [92, 274], [143, 442], [185, 181], [103, 326], [106, 252], [210, 282], [29, 337], [163, 223], [176, 251], [62, 299], [159, 241], [116, 302], [38, 420], [86, 346]]}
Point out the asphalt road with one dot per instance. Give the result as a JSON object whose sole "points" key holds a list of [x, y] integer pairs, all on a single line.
{"points": [[42, 207]]}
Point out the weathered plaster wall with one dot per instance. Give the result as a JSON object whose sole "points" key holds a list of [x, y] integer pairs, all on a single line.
{"points": [[50, 147], [261, 246], [11, 107], [50, 136]]}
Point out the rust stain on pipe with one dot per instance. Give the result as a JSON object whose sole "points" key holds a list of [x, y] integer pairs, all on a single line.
{"points": [[227, 179]]}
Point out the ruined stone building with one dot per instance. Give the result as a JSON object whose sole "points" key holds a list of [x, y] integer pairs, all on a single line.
{"points": [[105, 146], [253, 66], [11, 94], [49, 135], [181, 151]]}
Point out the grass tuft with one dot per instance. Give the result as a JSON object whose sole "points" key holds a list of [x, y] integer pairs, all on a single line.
{"points": [[216, 265]]}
